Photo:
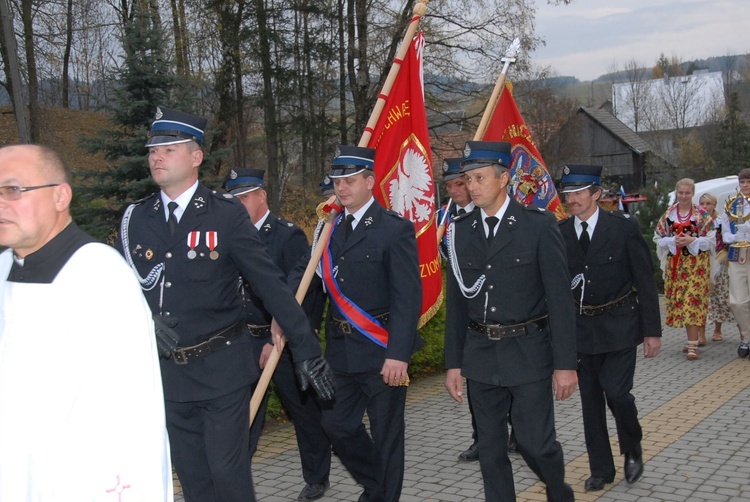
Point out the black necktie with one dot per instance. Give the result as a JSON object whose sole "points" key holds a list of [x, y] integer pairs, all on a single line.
{"points": [[461, 211], [172, 220], [491, 222], [349, 227], [584, 239]]}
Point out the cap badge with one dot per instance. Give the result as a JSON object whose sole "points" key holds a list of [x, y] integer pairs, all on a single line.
{"points": [[566, 171], [159, 113], [467, 151], [233, 174], [326, 180], [445, 167], [337, 153]]}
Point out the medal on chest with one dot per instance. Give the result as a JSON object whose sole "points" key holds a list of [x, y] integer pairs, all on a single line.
{"points": [[192, 242], [212, 240]]}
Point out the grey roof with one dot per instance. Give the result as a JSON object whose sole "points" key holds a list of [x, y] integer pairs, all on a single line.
{"points": [[619, 129]]}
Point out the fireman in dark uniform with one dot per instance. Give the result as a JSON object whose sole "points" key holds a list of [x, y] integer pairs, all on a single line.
{"points": [[510, 324], [618, 309], [286, 244], [371, 274], [189, 245]]}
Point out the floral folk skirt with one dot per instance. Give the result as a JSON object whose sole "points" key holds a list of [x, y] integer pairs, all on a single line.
{"points": [[718, 305], [687, 285]]}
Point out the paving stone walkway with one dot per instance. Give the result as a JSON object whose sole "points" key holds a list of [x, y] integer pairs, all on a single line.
{"points": [[696, 438]]}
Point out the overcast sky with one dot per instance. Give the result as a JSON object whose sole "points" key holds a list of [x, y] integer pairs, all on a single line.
{"points": [[586, 37]]}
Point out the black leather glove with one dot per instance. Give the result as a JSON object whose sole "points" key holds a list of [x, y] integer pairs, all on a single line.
{"points": [[316, 373], [166, 337]]}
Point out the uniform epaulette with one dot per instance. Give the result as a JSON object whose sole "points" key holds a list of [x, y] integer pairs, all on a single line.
{"points": [[141, 201], [621, 214], [284, 223], [220, 194], [393, 213], [560, 222], [532, 207], [460, 217]]}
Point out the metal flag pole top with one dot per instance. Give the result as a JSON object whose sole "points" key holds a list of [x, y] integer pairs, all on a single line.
{"points": [[510, 57]]}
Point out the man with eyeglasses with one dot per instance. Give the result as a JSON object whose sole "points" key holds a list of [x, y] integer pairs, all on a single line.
{"points": [[81, 410]]}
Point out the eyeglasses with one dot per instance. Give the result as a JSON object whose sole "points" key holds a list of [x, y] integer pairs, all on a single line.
{"points": [[11, 193]]}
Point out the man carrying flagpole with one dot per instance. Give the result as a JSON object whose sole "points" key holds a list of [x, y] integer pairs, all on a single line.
{"points": [[370, 273]]}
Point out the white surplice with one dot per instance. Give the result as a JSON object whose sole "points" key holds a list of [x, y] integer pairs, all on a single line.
{"points": [[81, 402]]}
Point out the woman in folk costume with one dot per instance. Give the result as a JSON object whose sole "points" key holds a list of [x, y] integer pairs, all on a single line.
{"points": [[718, 305], [685, 238]]}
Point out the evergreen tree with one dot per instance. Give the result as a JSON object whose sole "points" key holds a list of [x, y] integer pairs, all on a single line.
{"points": [[733, 139], [143, 82]]}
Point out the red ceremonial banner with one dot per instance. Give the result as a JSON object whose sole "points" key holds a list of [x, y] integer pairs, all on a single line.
{"points": [[530, 180], [403, 169]]}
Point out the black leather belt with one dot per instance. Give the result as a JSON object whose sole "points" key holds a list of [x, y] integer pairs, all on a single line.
{"points": [[257, 331], [345, 326], [592, 310], [220, 340], [500, 331]]}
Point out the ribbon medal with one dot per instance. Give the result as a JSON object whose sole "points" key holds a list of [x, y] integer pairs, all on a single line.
{"points": [[212, 240], [192, 241]]}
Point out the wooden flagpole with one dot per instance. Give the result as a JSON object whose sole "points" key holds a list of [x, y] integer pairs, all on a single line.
{"points": [[510, 57], [273, 359], [420, 9]]}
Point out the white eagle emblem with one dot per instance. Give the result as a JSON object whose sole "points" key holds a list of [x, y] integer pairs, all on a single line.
{"points": [[411, 193], [159, 113]]}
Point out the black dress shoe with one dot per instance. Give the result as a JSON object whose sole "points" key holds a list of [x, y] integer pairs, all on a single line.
{"points": [[512, 443], [595, 483], [470, 455], [313, 491], [633, 466]]}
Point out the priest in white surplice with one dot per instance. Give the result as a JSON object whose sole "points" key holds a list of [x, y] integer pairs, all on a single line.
{"points": [[81, 402]]}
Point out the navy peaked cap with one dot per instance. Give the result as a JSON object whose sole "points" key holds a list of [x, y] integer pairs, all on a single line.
{"points": [[579, 177], [485, 153], [350, 160], [171, 127], [239, 181]]}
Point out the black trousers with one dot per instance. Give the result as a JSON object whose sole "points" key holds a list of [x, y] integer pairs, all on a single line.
{"points": [[314, 446], [608, 378], [377, 462], [209, 447], [534, 425]]}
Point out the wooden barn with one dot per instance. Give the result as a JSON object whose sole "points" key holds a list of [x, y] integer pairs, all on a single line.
{"points": [[595, 136]]}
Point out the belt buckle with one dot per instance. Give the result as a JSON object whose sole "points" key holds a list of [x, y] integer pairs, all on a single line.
{"points": [[180, 357], [346, 327], [493, 332]]}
